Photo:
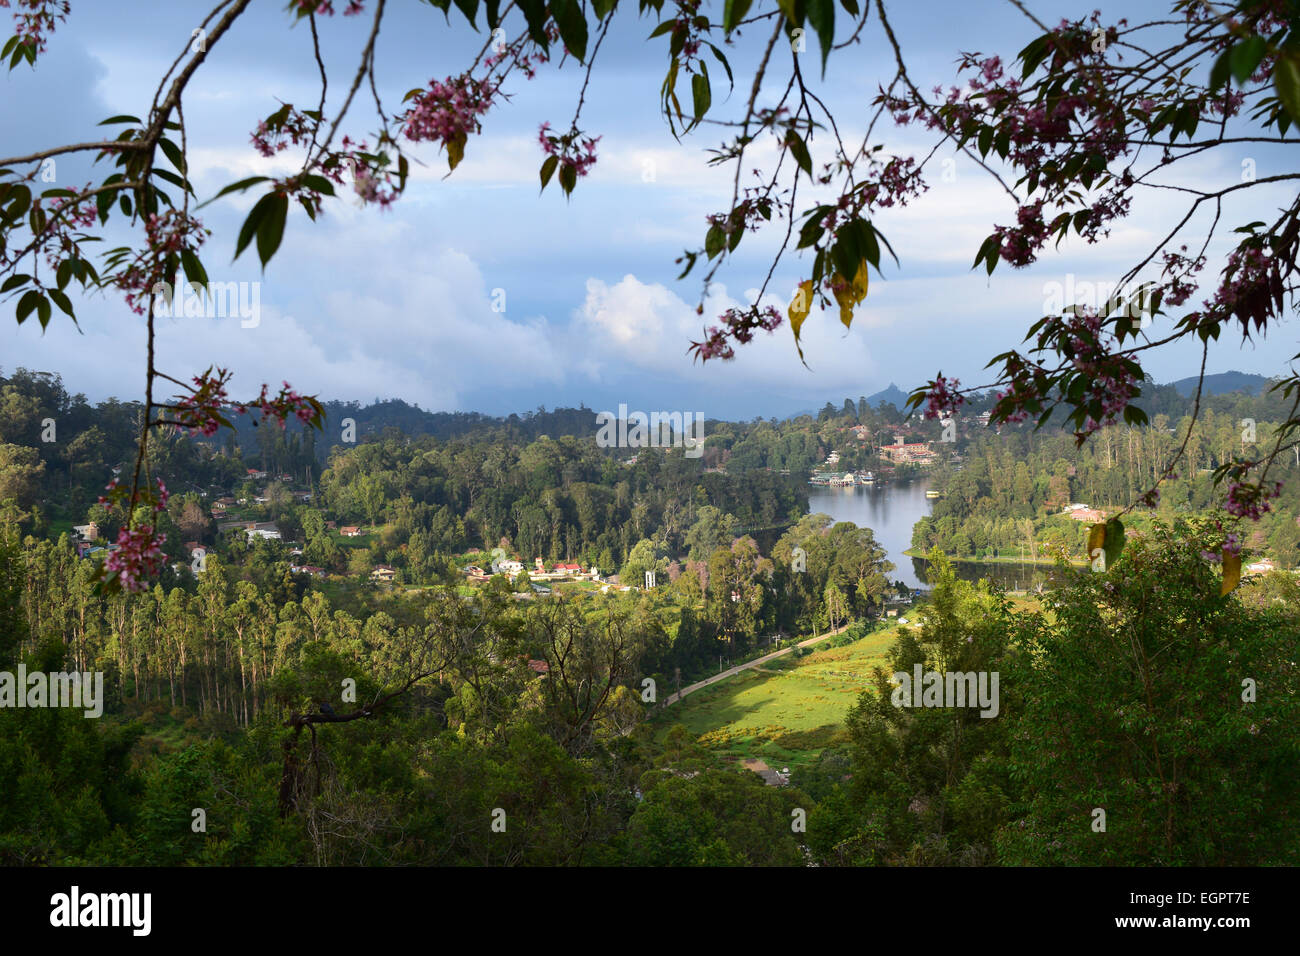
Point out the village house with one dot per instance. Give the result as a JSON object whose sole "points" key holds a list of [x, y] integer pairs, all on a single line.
{"points": [[262, 529], [87, 532], [351, 531], [1084, 513], [382, 574]]}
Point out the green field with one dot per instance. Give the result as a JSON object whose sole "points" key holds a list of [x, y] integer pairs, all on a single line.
{"points": [[785, 711]]}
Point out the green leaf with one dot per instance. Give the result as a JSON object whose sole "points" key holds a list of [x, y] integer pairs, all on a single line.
{"points": [[701, 94], [252, 222], [714, 240], [602, 7], [572, 23], [1246, 56], [62, 301], [535, 14], [26, 304], [733, 12], [194, 270], [43, 311], [867, 241], [318, 183], [173, 153], [821, 14], [846, 255], [799, 151], [1034, 54], [548, 169], [271, 229], [568, 178], [1219, 72], [122, 119], [63, 274], [717, 54], [1286, 80], [20, 199], [470, 9], [14, 282]]}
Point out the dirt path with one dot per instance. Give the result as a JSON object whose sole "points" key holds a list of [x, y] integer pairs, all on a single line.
{"points": [[673, 698]]}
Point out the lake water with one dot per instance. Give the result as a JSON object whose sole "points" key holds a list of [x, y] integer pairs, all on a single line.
{"points": [[890, 510]]}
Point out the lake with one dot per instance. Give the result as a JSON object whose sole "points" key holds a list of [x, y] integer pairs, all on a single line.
{"points": [[890, 510]]}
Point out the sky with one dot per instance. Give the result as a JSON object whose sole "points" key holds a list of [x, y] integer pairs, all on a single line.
{"points": [[475, 293]]}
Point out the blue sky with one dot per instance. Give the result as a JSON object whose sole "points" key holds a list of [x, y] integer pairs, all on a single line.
{"points": [[368, 303]]}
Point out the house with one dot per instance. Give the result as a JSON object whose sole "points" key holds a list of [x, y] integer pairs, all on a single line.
{"points": [[307, 569], [382, 573], [351, 531], [258, 475], [1086, 514], [510, 567], [474, 571], [87, 532], [569, 568], [262, 529], [539, 667], [1260, 567], [861, 432], [904, 452]]}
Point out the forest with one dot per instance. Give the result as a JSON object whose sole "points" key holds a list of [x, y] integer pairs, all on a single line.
{"points": [[326, 720]]}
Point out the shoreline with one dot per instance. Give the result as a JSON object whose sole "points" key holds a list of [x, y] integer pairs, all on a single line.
{"points": [[972, 559]]}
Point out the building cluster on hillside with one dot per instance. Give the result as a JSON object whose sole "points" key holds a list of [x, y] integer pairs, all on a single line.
{"points": [[1083, 513], [562, 571], [903, 452]]}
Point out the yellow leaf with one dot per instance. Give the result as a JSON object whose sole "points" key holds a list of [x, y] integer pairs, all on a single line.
{"points": [[1096, 538], [1231, 572], [860, 283], [801, 306], [851, 294], [456, 149], [845, 299]]}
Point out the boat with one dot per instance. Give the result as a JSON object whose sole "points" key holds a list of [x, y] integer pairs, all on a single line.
{"points": [[866, 478]]}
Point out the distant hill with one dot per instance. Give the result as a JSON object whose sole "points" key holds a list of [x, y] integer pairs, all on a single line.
{"points": [[1221, 383], [893, 395]]}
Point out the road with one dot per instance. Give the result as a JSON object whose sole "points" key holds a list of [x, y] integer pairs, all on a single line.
{"points": [[673, 698]]}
